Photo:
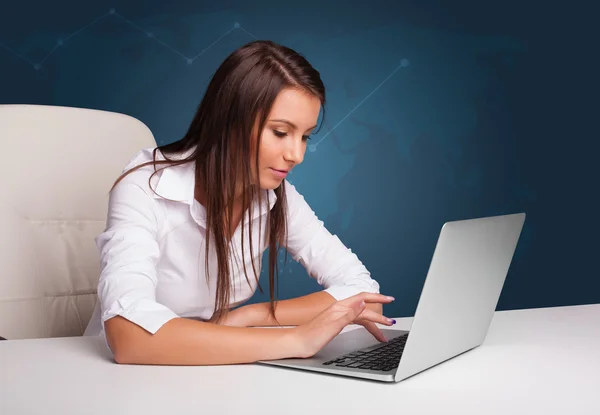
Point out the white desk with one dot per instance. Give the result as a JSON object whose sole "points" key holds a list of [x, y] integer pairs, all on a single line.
{"points": [[538, 361]]}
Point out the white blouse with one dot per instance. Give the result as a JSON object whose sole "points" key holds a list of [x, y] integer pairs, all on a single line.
{"points": [[152, 252]]}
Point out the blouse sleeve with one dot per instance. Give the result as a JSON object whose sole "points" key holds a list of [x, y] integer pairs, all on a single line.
{"points": [[129, 252], [325, 257]]}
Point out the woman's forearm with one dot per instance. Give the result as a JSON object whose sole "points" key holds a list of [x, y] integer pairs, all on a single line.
{"points": [[189, 342], [292, 312]]}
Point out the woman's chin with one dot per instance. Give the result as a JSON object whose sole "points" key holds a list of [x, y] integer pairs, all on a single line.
{"points": [[270, 184]]}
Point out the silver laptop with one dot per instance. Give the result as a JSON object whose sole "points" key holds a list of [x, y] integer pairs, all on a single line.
{"points": [[461, 291]]}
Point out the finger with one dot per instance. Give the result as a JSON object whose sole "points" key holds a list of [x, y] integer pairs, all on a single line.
{"points": [[374, 330], [370, 298], [371, 315]]}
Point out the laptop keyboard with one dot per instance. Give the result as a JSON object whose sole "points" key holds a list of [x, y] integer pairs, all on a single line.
{"points": [[383, 357]]}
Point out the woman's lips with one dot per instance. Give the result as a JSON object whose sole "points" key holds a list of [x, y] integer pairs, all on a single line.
{"points": [[280, 173]]}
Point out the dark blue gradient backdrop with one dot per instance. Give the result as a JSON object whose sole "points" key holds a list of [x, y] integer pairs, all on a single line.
{"points": [[436, 111]]}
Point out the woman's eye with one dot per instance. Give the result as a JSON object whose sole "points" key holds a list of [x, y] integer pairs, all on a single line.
{"points": [[283, 134]]}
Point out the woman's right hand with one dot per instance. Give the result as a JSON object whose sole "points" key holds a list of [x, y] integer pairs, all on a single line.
{"points": [[314, 335]]}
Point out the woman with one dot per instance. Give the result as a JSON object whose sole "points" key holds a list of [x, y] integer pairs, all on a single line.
{"points": [[188, 223]]}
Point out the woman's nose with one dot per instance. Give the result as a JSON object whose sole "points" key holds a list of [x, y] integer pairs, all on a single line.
{"points": [[294, 152]]}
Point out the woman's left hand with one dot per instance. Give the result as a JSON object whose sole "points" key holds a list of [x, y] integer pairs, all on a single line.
{"points": [[249, 316]]}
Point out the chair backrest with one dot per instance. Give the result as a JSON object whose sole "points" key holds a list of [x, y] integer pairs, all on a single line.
{"points": [[57, 167]]}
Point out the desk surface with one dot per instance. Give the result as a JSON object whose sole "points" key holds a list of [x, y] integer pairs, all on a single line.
{"points": [[535, 361]]}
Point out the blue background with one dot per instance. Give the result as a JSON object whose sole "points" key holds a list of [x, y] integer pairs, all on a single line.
{"points": [[436, 111]]}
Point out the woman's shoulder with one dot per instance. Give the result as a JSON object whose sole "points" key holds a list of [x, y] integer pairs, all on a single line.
{"points": [[149, 165], [140, 168], [144, 155]]}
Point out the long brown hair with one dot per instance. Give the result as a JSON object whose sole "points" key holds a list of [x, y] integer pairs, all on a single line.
{"points": [[224, 132]]}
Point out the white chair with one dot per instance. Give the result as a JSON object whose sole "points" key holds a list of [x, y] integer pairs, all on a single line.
{"points": [[57, 167]]}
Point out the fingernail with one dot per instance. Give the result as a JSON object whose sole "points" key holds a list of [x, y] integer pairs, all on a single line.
{"points": [[393, 321], [390, 298]]}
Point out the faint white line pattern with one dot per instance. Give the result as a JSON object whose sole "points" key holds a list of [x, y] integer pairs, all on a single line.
{"points": [[112, 12], [16, 54], [149, 35], [403, 63]]}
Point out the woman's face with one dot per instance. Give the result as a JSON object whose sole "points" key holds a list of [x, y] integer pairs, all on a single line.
{"points": [[283, 140]]}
